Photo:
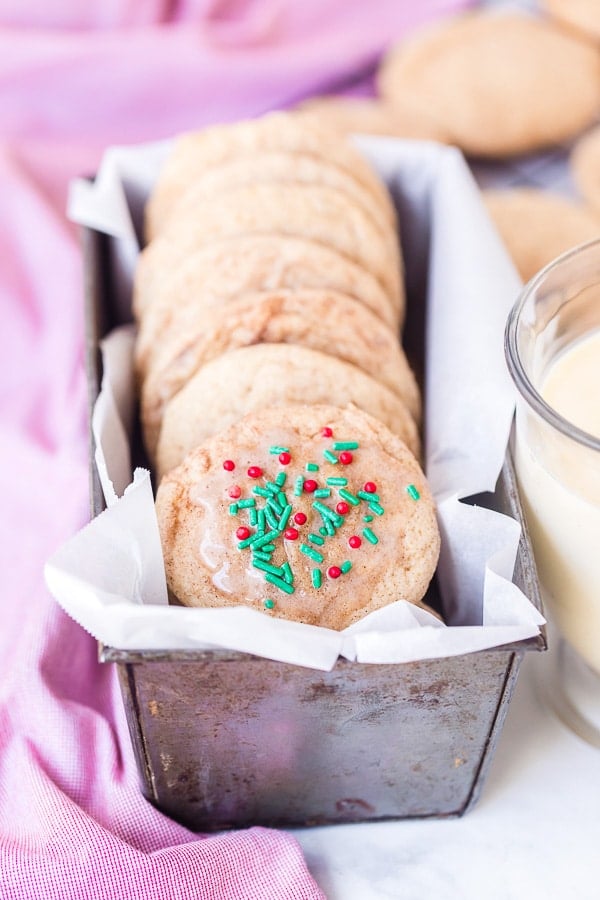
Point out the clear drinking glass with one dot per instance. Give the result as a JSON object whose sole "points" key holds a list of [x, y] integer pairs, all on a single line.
{"points": [[558, 470]]}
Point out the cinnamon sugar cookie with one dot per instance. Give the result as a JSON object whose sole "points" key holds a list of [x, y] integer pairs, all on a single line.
{"points": [[243, 522], [196, 152], [537, 226], [321, 320], [219, 272], [232, 385], [499, 83], [314, 212]]}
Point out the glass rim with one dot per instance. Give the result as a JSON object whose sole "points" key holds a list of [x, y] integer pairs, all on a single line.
{"points": [[514, 362]]}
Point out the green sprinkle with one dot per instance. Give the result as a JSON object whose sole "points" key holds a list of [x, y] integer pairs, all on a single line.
{"points": [[268, 549], [272, 487], [346, 566], [271, 517], [316, 539], [285, 516], [279, 583], [354, 501], [312, 467], [269, 604], [364, 495], [282, 499], [345, 445], [299, 486], [253, 515], [337, 481], [329, 529], [262, 539], [325, 511], [261, 521], [266, 567], [288, 575], [323, 530], [233, 509], [322, 492], [259, 554], [330, 457], [412, 492], [314, 554], [276, 450], [316, 578], [372, 538], [367, 518], [246, 504], [280, 480], [274, 504], [247, 542], [377, 509], [261, 492]]}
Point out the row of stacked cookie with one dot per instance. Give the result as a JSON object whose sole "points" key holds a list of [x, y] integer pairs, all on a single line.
{"points": [[272, 276]]}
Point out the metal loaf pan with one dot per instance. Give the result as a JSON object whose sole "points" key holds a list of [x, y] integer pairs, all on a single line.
{"points": [[224, 739]]}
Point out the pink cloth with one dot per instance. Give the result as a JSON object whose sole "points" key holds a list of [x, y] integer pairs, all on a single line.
{"points": [[75, 77]]}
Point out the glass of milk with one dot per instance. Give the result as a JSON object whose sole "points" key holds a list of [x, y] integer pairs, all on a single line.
{"points": [[552, 347]]}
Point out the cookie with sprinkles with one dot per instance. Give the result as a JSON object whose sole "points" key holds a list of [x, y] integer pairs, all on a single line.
{"points": [[309, 513], [251, 378]]}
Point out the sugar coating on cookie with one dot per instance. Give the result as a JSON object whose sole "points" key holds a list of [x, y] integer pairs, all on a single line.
{"points": [[321, 320], [215, 273], [314, 514], [267, 375], [499, 83], [195, 152], [537, 226], [317, 212]]}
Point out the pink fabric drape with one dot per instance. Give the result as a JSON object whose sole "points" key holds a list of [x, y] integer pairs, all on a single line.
{"points": [[74, 78]]}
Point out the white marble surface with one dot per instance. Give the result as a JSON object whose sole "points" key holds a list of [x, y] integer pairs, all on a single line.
{"points": [[535, 832]]}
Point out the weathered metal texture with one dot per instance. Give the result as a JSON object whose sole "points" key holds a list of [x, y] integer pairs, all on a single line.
{"points": [[225, 739]]}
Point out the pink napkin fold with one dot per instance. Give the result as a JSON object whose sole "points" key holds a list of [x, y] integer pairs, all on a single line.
{"points": [[74, 78]]}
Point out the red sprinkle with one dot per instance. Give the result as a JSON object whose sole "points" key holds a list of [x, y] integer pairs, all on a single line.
{"points": [[242, 533], [291, 534], [299, 518], [345, 457], [327, 431], [370, 487], [229, 465], [285, 459], [334, 571], [354, 541], [310, 485], [254, 472], [342, 508], [235, 491]]}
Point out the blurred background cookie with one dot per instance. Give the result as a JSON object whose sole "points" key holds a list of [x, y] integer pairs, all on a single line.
{"points": [[323, 564], [352, 115], [498, 83], [536, 226], [585, 166], [581, 15]]}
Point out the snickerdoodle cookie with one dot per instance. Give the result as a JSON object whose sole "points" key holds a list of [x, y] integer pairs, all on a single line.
{"points": [[321, 320], [252, 378], [499, 83]]}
